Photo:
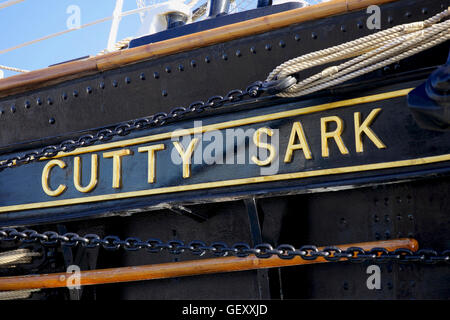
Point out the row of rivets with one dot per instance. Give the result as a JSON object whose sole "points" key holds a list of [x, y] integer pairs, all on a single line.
{"points": [[207, 59], [387, 219]]}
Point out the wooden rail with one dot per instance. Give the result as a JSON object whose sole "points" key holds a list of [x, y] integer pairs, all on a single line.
{"points": [[180, 269], [77, 69]]}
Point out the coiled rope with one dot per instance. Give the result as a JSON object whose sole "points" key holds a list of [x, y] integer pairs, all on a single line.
{"points": [[369, 53], [11, 258], [17, 294]]}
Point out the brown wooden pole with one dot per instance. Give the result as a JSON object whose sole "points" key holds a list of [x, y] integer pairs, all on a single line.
{"points": [[180, 269], [77, 69]]}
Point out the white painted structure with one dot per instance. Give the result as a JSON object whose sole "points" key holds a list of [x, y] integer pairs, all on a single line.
{"points": [[155, 19]]}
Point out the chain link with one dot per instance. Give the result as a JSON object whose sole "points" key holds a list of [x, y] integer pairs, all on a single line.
{"points": [[221, 249], [123, 129]]}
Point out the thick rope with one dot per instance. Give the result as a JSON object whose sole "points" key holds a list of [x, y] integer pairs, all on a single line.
{"points": [[441, 38], [334, 53], [18, 294], [119, 45], [393, 52], [19, 256], [10, 259], [372, 52]]}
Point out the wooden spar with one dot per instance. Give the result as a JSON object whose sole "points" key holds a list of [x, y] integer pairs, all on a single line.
{"points": [[180, 269], [77, 69]]}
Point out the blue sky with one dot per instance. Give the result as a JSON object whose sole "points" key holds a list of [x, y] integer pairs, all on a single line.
{"points": [[32, 19]]}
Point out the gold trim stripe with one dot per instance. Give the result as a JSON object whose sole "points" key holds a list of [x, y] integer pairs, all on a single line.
{"points": [[229, 183], [237, 123]]}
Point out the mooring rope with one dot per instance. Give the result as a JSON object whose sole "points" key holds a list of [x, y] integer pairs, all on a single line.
{"points": [[17, 294], [10, 259], [119, 45], [14, 257], [369, 53]]}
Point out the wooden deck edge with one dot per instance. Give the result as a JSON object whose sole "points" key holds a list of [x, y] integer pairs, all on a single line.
{"points": [[77, 69]]}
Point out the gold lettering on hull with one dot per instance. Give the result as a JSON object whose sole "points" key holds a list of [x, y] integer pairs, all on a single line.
{"points": [[151, 174], [186, 155], [336, 135], [77, 174], [297, 141], [364, 128], [117, 165], [297, 132], [268, 146], [46, 175]]}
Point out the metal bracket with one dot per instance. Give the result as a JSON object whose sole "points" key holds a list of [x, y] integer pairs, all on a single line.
{"points": [[430, 102], [182, 210], [255, 226], [276, 86]]}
